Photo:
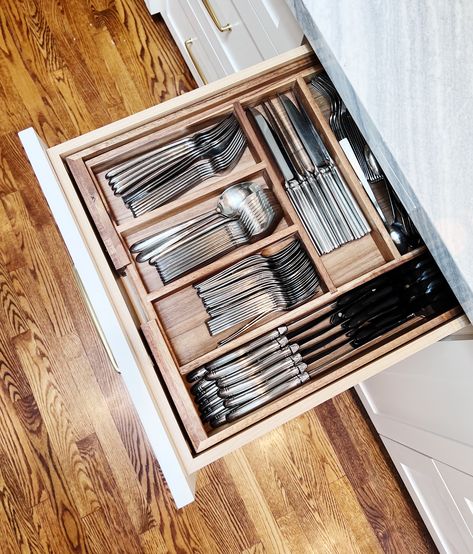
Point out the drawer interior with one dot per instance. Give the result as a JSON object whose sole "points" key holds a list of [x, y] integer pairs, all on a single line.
{"points": [[171, 315]]}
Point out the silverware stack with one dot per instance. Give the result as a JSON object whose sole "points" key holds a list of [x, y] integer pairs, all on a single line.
{"points": [[257, 286], [237, 383], [162, 174], [400, 226], [245, 212], [343, 126], [318, 192]]}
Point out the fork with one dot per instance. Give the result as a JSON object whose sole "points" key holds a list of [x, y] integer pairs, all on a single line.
{"points": [[204, 169], [181, 146]]}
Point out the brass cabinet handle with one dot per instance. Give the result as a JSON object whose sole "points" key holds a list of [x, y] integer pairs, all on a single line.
{"points": [[222, 28], [187, 44]]}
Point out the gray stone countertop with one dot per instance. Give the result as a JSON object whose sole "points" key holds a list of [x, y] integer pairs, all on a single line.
{"points": [[405, 71]]}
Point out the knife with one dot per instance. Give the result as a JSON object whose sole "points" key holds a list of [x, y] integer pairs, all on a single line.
{"points": [[308, 135], [282, 159], [323, 162], [334, 191], [308, 212]]}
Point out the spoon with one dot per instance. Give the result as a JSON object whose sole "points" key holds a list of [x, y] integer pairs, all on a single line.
{"points": [[396, 229], [372, 161], [227, 206]]}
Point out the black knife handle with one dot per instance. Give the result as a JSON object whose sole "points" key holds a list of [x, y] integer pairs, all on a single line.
{"points": [[372, 311], [366, 334], [363, 290], [379, 294]]}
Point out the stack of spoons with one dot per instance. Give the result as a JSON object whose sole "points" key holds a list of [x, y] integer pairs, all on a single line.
{"points": [[245, 212]]}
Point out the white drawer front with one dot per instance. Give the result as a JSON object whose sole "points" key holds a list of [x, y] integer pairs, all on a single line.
{"points": [[193, 43], [460, 486], [235, 47], [181, 484], [433, 498], [271, 24], [425, 403]]}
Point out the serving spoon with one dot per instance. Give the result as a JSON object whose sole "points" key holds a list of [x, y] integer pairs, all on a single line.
{"points": [[228, 206], [397, 231]]}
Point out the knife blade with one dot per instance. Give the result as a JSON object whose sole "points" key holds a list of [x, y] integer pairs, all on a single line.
{"points": [[273, 144], [307, 133], [320, 157]]}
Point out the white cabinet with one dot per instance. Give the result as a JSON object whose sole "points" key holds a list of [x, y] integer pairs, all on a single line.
{"points": [[425, 402], [433, 497], [220, 37], [423, 410]]}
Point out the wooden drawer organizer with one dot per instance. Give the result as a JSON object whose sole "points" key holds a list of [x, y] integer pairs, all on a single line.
{"points": [[171, 316]]}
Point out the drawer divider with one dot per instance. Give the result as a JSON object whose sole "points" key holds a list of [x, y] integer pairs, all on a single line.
{"points": [[259, 147], [116, 249], [175, 384], [380, 235]]}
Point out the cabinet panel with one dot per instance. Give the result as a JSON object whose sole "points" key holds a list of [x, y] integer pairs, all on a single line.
{"points": [[432, 499], [460, 486], [273, 22], [235, 47], [193, 44], [425, 402]]}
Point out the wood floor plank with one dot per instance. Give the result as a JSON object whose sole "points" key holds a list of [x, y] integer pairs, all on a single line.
{"points": [[20, 176], [143, 514], [41, 276], [309, 493], [19, 519], [315, 449], [38, 366], [14, 320], [63, 501], [255, 503], [116, 522], [13, 381], [152, 542], [361, 538], [12, 257], [44, 520], [233, 529], [21, 471], [295, 540]]}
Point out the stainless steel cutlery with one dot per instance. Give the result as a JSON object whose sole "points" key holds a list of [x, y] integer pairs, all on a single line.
{"points": [[156, 177], [244, 213], [261, 371], [402, 231], [257, 286], [318, 192], [343, 126]]}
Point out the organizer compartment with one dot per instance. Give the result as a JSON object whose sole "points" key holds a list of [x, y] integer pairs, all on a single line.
{"points": [[171, 317]]}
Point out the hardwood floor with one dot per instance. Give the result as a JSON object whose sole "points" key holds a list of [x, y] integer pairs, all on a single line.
{"points": [[76, 471]]}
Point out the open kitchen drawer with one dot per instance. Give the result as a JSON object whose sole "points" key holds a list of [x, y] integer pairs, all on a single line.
{"points": [[164, 324]]}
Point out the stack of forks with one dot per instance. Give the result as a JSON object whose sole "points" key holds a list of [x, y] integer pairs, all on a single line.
{"points": [[343, 126], [156, 177], [256, 287]]}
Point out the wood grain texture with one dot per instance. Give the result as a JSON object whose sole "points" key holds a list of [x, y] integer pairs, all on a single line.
{"points": [[76, 471]]}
